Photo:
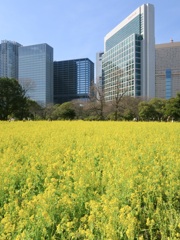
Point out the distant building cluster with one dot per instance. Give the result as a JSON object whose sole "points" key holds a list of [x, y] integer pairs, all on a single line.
{"points": [[131, 62], [46, 81]]}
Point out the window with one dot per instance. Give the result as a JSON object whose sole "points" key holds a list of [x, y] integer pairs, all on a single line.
{"points": [[168, 83]]}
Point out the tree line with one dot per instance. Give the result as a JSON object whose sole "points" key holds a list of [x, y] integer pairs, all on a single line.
{"points": [[15, 105]]}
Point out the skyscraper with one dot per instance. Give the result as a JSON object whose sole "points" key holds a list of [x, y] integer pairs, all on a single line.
{"points": [[167, 76], [9, 59], [36, 72], [72, 79], [129, 56]]}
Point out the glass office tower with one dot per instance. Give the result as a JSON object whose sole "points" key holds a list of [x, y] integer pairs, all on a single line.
{"points": [[36, 72], [72, 79], [9, 59], [128, 63]]}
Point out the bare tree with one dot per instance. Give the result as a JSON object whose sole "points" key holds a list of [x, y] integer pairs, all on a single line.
{"points": [[118, 96], [27, 84], [97, 101], [79, 106], [129, 106]]}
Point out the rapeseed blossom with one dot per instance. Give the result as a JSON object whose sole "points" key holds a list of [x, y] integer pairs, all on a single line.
{"points": [[89, 180]]}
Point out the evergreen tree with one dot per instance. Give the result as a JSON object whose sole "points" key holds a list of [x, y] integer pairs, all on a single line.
{"points": [[13, 102]]}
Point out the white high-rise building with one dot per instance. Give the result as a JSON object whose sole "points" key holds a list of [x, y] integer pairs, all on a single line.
{"points": [[129, 56]]}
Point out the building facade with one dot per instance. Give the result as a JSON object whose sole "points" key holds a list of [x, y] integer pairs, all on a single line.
{"points": [[72, 79], [36, 72], [9, 59], [167, 75], [129, 56], [99, 79]]}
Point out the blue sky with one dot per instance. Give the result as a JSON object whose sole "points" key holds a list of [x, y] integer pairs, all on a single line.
{"points": [[76, 28]]}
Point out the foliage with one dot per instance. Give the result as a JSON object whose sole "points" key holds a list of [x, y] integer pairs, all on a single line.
{"points": [[146, 111], [35, 110], [160, 109], [64, 111], [115, 116], [152, 110], [78, 107], [89, 180], [173, 107], [128, 114], [13, 102]]}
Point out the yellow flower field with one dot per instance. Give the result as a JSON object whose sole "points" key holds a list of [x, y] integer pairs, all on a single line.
{"points": [[89, 180]]}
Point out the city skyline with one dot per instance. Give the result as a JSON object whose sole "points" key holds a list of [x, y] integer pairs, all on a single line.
{"points": [[77, 29]]}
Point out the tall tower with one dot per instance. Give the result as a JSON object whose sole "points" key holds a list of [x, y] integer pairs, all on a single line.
{"points": [[9, 59], [36, 72], [129, 55]]}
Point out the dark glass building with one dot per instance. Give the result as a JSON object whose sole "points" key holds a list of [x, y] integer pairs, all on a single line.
{"points": [[72, 79]]}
